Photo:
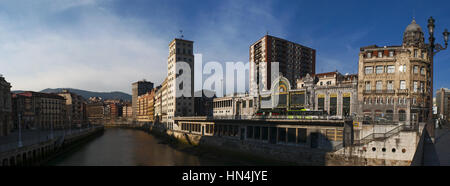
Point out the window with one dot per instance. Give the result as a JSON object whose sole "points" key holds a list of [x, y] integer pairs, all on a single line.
{"points": [[302, 136], [379, 69], [402, 84], [421, 87], [333, 106], [401, 115], [380, 54], [391, 69], [415, 84], [249, 131], [265, 132], [402, 68], [369, 55], [291, 135], [391, 53], [416, 69], [257, 132], [282, 135], [379, 85], [422, 71], [390, 85], [250, 103], [416, 53], [367, 85], [368, 70], [321, 103]]}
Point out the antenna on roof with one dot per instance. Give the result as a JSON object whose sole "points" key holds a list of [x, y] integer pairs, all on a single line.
{"points": [[181, 34]]}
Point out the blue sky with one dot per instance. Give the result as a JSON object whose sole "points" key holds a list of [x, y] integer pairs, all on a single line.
{"points": [[105, 45]]}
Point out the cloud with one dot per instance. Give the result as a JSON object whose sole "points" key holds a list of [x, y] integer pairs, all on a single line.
{"points": [[100, 52]]}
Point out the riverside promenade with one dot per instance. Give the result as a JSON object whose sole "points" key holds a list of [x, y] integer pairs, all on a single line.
{"points": [[32, 147]]}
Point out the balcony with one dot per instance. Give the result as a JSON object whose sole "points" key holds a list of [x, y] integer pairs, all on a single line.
{"points": [[388, 91], [402, 91]]}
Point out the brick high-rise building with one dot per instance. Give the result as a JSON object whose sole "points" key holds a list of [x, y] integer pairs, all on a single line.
{"points": [[139, 88], [295, 60], [443, 103]]}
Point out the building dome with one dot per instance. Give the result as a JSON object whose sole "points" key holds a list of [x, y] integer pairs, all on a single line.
{"points": [[413, 27], [413, 35]]}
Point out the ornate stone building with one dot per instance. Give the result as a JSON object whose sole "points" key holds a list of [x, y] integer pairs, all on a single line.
{"points": [[332, 92], [5, 107], [394, 81]]}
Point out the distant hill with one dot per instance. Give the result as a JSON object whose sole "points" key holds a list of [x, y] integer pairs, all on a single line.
{"points": [[88, 94]]}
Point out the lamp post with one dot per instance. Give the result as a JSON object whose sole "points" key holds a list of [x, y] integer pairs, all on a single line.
{"points": [[19, 144], [51, 130], [433, 48]]}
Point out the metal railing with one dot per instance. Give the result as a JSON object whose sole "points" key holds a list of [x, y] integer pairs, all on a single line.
{"points": [[276, 117], [382, 136]]}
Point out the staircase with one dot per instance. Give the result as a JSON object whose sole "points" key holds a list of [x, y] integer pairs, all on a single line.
{"points": [[383, 136]]}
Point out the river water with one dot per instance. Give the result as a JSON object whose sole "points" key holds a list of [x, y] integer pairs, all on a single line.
{"points": [[128, 147]]}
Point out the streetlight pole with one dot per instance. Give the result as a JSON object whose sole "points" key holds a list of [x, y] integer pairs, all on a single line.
{"points": [[20, 144], [51, 130], [433, 50]]}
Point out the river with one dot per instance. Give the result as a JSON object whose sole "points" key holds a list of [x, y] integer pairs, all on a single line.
{"points": [[129, 147]]}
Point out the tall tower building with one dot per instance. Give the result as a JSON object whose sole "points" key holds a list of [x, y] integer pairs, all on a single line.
{"points": [[394, 83], [295, 60], [139, 88], [180, 51]]}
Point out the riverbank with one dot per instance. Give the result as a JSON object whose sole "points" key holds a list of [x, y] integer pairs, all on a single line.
{"points": [[44, 150], [214, 153], [70, 147]]}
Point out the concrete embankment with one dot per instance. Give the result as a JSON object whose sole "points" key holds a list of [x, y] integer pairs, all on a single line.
{"points": [[203, 148], [41, 153]]}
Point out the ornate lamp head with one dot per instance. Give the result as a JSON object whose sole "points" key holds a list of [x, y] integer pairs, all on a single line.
{"points": [[431, 25]]}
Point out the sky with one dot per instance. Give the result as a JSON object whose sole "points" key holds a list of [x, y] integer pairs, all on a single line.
{"points": [[105, 45]]}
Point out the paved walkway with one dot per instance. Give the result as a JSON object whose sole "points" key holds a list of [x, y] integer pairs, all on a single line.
{"points": [[30, 137], [442, 144]]}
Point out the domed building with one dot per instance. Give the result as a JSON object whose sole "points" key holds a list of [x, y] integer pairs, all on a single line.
{"points": [[413, 35], [394, 81]]}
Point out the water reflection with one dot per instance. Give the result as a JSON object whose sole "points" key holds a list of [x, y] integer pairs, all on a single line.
{"points": [[127, 147]]}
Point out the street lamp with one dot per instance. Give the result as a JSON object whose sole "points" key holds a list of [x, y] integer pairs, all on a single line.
{"points": [[433, 50], [19, 144]]}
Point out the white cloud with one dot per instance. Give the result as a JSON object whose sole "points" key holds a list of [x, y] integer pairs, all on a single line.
{"points": [[102, 52]]}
